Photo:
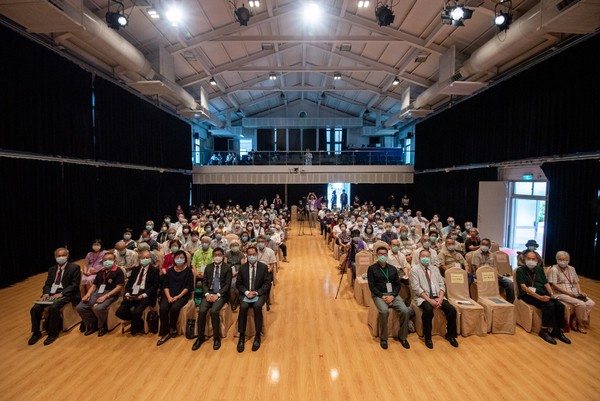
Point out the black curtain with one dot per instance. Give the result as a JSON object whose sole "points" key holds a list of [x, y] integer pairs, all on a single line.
{"points": [[455, 193], [309, 139], [264, 139], [49, 205], [46, 101], [550, 109], [294, 139], [128, 129], [573, 218]]}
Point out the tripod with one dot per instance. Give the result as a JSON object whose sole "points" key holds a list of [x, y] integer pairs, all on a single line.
{"points": [[342, 276], [303, 215]]}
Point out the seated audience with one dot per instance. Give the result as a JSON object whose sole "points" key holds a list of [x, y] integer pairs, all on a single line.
{"points": [[535, 290], [194, 244], [449, 257], [532, 246], [216, 286], [428, 289], [140, 292], [92, 264], [125, 258], [397, 259], [472, 243], [105, 290], [565, 282], [145, 237], [234, 257], [384, 284], [129, 243], [60, 288], [388, 235], [202, 258], [178, 286]]}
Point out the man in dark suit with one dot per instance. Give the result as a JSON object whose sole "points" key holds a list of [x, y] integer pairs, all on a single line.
{"points": [[61, 287], [140, 292], [216, 285], [253, 283]]}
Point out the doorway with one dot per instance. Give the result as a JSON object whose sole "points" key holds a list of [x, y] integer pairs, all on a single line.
{"points": [[337, 187], [527, 216]]}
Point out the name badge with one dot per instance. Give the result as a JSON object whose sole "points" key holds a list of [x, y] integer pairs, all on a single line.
{"points": [[388, 287], [101, 289], [54, 288], [135, 290], [532, 289]]}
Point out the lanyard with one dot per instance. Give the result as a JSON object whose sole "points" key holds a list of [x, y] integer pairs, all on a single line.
{"points": [[533, 279], [105, 276], [567, 275], [386, 273], [397, 258]]}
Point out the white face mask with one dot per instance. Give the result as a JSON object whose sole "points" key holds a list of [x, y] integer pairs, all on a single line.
{"points": [[451, 247], [217, 259], [563, 263], [531, 263], [485, 248]]}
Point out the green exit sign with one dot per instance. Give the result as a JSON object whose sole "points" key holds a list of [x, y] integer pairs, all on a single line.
{"points": [[527, 177]]}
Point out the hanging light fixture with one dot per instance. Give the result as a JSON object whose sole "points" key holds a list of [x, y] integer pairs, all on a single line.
{"points": [[455, 14], [503, 15]]}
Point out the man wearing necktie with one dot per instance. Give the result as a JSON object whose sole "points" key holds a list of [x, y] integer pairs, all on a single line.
{"points": [[216, 285], [61, 287], [140, 292], [428, 289], [384, 284], [253, 283]]}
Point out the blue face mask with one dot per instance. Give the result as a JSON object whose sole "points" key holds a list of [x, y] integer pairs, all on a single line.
{"points": [[244, 238], [205, 246], [382, 258], [252, 258], [174, 249], [108, 263], [425, 261], [532, 248]]}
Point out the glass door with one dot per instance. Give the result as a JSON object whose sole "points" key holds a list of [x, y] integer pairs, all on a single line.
{"points": [[527, 214]]}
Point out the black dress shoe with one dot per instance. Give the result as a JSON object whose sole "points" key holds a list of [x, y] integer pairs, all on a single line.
{"points": [[405, 343], [240, 346], [452, 341], [35, 337], [429, 343], [268, 306], [82, 327], [256, 343], [102, 332], [546, 337], [198, 343], [163, 339], [560, 336], [50, 339], [383, 344], [90, 331], [217, 344]]}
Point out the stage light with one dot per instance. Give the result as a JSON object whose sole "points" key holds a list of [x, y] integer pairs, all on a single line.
{"points": [[337, 76], [396, 81], [174, 15], [152, 13], [503, 15], [254, 3], [385, 16], [312, 12], [213, 82], [116, 20], [455, 14], [243, 15], [363, 3], [272, 76]]}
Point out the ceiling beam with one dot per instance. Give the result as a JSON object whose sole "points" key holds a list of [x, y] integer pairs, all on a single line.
{"points": [[231, 89], [307, 39], [232, 28], [307, 68]]}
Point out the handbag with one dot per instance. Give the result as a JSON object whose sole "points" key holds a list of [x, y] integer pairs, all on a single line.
{"points": [[152, 321], [190, 329]]}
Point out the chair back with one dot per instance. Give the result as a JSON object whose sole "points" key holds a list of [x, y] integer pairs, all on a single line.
{"points": [[503, 264], [378, 244], [363, 260], [487, 282], [468, 258], [231, 237], [495, 247], [457, 284]]}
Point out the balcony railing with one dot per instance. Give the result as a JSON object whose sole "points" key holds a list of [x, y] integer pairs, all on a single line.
{"points": [[360, 157]]}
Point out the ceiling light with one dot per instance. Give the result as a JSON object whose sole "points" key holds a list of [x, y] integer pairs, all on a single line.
{"points": [[312, 12], [345, 47], [363, 3], [337, 76], [454, 14], [152, 12], [254, 3], [385, 16], [243, 15], [174, 15], [503, 15], [116, 20], [421, 57], [272, 76], [267, 46], [213, 82], [396, 81]]}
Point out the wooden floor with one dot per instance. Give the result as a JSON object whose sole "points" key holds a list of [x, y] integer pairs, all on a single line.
{"points": [[317, 348]]}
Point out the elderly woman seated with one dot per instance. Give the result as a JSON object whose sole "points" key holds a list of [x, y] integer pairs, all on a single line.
{"points": [[565, 282]]}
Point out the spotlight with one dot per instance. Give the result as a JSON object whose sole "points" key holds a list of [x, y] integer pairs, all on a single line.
{"points": [[454, 14], [254, 3], [503, 15], [337, 76], [174, 15], [312, 12], [243, 15], [396, 81], [363, 3], [385, 16], [152, 13], [116, 20], [213, 82], [272, 76]]}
